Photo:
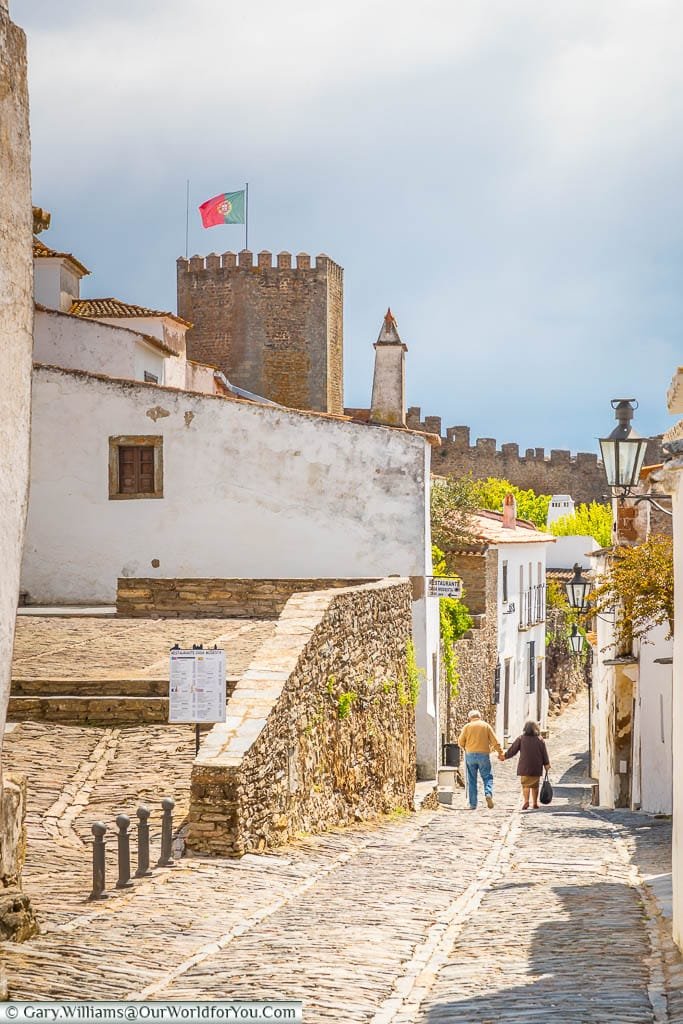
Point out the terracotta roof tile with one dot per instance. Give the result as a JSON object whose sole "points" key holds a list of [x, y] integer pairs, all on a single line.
{"points": [[488, 527], [44, 251], [116, 308]]}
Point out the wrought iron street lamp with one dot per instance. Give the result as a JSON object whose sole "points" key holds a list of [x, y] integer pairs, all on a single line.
{"points": [[623, 452], [623, 455], [577, 589], [576, 640]]}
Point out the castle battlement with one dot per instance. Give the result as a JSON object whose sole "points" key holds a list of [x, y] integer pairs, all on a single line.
{"points": [[580, 475], [272, 323], [244, 260]]}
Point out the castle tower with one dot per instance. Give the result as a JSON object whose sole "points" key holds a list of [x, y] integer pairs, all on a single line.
{"points": [[389, 382], [275, 331]]}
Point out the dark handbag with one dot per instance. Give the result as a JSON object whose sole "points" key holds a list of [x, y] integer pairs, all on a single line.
{"points": [[546, 794]]}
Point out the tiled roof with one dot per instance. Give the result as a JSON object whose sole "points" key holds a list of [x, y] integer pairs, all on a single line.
{"points": [[561, 575], [115, 308], [488, 527], [42, 250]]}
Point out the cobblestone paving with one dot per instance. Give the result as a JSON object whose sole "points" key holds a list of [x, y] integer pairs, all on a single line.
{"points": [[48, 647], [451, 915]]}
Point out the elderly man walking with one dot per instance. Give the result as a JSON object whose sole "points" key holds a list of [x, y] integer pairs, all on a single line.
{"points": [[478, 739]]}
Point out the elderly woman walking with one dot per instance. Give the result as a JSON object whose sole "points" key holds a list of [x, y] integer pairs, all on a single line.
{"points": [[533, 760]]}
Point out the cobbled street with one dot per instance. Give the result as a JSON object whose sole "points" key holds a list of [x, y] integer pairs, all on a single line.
{"points": [[442, 916]]}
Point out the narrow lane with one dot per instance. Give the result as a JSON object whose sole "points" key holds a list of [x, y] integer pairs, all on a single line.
{"points": [[452, 915]]}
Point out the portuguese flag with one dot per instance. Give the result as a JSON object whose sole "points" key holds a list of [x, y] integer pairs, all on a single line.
{"points": [[227, 208]]}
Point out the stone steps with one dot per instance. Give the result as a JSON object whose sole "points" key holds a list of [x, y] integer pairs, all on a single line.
{"points": [[101, 702], [55, 687], [88, 710]]}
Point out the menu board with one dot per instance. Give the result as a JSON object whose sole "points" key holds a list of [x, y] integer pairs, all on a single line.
{"points": [[196, 691]]}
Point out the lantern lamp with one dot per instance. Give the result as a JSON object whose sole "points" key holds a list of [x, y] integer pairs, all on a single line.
{"points": [[623, 452], [576, 640], [577, 589]]}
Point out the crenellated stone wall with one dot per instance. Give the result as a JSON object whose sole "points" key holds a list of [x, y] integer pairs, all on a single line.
{"points": [[581, 475], [320, 730], [212, 598], [276, 331]]}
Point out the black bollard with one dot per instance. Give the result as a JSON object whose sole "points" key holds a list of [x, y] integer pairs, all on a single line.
{"points": [[98, 866], [166, 858], [143, 842], [123, 840]]}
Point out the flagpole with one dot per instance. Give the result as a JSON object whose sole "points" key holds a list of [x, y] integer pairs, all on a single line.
{"points": [[246, 215], [187, 219]]}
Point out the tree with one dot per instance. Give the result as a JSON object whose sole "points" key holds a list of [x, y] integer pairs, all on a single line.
{"points": [[490, 494], [594, 520], [639, 587], [452, 507]]}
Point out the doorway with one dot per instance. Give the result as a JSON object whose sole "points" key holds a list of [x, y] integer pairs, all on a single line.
{"points": [[539, 693], [506, 700]]}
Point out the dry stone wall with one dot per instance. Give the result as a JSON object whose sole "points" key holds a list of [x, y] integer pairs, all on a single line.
{"points": [[212, 598], [17, 921], [565, 673], [275, 331], [476, 652], [320, 729]]}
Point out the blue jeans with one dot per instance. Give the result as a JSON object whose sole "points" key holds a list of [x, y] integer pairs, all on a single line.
{"points": [[478, 763]]}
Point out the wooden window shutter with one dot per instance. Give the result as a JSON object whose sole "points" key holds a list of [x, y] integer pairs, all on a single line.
{"points": [[136, 469], [532, 666]]}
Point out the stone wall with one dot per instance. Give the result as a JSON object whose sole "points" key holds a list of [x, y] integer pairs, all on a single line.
{"points": [[566, 674], [476, 652], [560, 472], [319, 729], [275, 331], [17, 921], [16, 338], [212, 598]]}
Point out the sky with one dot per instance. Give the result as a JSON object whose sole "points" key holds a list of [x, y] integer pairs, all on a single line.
{"points": [[505, 175]]}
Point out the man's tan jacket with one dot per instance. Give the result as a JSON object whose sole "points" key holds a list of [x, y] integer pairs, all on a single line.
{"points": [[478, 738]]}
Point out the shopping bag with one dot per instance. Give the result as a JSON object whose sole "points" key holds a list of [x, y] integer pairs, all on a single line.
{"points": [[546, 794]]}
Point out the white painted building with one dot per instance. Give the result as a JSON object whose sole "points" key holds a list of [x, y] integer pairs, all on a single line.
{"points": [[108, 336], [560, 505], [631, 715], [670, 480], [520, 612]]}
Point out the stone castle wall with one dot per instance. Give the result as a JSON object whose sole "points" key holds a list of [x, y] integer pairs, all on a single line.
{"points": [[275, 331], [212, 598], [560, 472], [319, 731]]}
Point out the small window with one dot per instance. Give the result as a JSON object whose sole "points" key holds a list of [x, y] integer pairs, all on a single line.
{"points": [[135, 467], [505, 581], [151, 378]]}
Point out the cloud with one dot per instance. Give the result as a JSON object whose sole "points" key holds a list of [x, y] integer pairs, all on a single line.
{"points": [[506, 176]]}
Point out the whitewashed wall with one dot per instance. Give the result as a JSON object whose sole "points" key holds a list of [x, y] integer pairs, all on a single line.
{"points": [[513, 641], [652, 769], [248, 491], [80, 344], [671, 481], [567, 551], [16, 328]]}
